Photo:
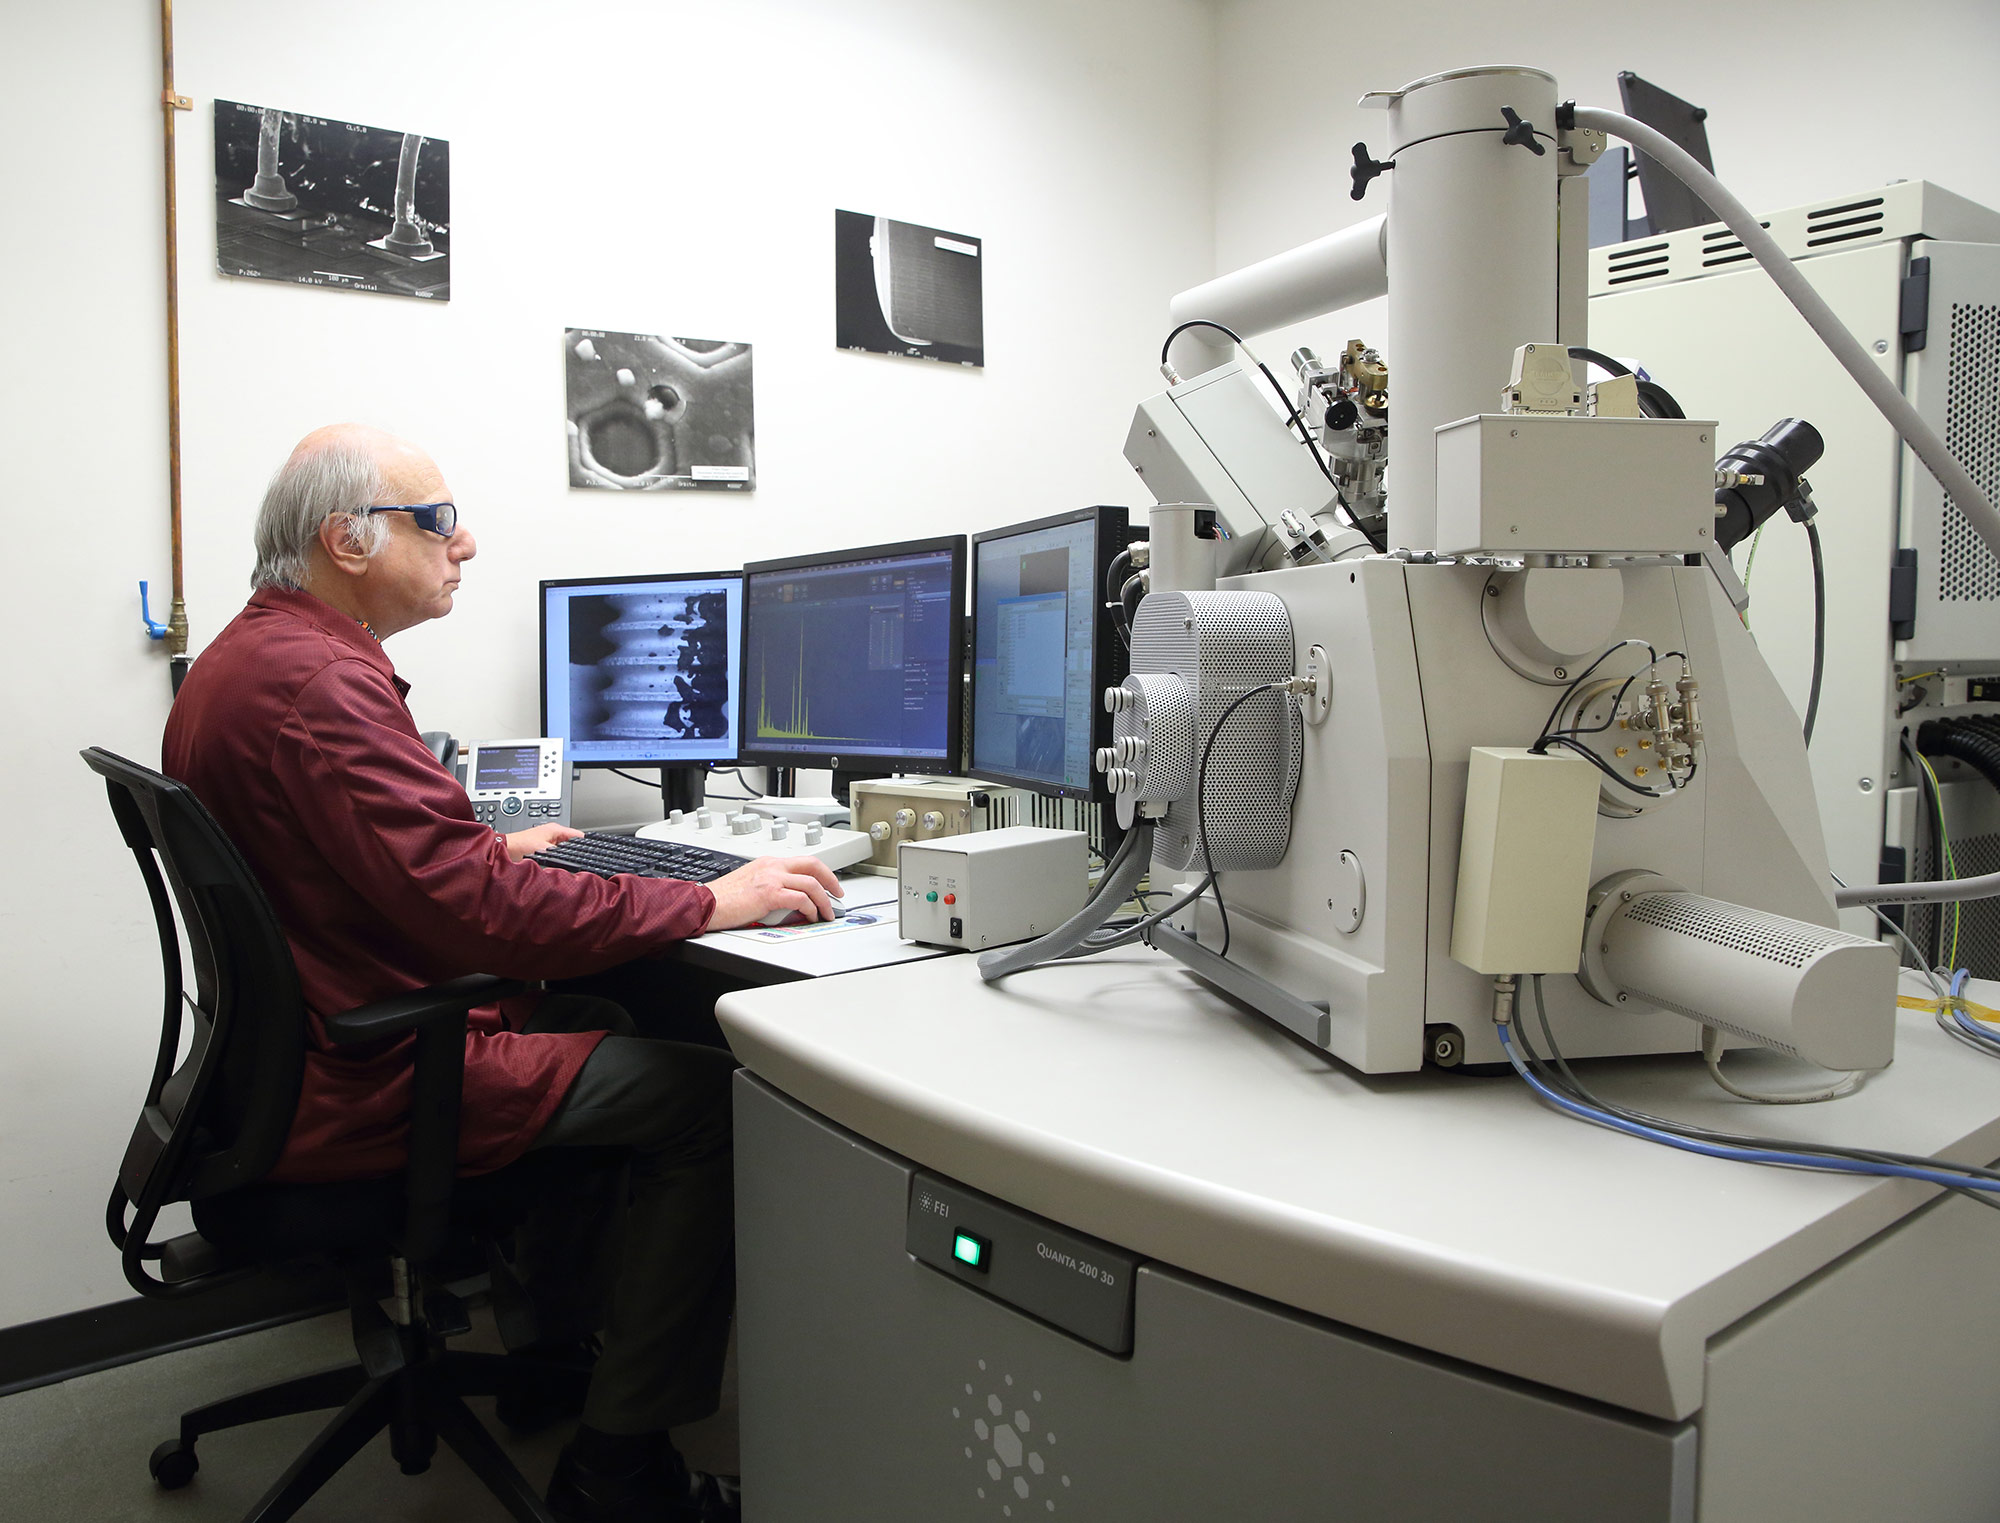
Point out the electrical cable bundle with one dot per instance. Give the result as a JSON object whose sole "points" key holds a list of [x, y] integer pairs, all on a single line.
{"points": [[1572, 739], [1556, 1085]]}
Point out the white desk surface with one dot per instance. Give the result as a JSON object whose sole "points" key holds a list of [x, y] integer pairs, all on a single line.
{"points": [[1121, 1097], [819, 955]]}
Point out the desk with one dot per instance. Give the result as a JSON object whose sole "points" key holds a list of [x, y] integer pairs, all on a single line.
{"points": [[1400, 1297], [745, 959]]}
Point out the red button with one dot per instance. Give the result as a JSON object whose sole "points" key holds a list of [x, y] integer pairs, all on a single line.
{"points": [[951, 898]]}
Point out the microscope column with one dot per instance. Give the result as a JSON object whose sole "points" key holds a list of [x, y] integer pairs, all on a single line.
{"points": [[1472, 264]]}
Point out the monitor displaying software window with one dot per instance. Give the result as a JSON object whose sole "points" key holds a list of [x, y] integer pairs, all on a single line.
{"points": [[642, 671], [853, 660], [1039, 654]]}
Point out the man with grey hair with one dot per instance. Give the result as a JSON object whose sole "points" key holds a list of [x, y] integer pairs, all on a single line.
{"points": [[292, 729]]}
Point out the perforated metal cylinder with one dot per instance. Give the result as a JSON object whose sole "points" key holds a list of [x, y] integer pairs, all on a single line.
{"points": [[1220, 646], [1821, 994]]}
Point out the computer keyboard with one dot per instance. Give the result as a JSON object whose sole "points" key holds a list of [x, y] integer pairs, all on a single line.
{"points": [[608, 855]]}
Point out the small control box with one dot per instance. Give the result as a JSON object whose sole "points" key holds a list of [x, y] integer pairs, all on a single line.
{"points": [[515, 784], [992, 887], [892, 810]]}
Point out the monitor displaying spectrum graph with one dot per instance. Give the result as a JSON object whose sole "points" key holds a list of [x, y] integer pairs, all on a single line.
{"points": [[855, 659]]}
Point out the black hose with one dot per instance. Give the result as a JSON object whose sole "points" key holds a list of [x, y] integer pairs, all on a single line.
{"points": [[1655, 401], [1974, 741], [1819, 626], [1601, 360]]}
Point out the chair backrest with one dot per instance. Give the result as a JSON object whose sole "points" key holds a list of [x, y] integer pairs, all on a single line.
{"points": [[218, 1118]]}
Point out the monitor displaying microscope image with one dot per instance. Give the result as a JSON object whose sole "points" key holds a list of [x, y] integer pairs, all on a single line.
{"points": [[642, 671]]}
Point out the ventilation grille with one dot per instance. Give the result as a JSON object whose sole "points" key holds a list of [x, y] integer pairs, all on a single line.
{"points": [[1967, 571], [1978, 919], [1723, 247], [1751, 932], [1708, 1020], [1066, 814], [1843, 224], [1644, 261]]}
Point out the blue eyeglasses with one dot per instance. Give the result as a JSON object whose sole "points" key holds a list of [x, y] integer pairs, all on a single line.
{"points": [[441, 518]]}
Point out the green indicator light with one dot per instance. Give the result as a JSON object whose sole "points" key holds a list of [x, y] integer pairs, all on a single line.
{"points": [[931, 897], [969, 1250]]}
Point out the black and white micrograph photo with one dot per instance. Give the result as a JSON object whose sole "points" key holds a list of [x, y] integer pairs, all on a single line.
{"points": [[648, 666], [329, 203], [649, 414], [904, 289]]}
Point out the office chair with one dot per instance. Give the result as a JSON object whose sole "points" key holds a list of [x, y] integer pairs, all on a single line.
{"points": [[214, 1125]]}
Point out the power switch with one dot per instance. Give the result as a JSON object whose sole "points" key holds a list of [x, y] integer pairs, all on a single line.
{"points": [[957, 929]]}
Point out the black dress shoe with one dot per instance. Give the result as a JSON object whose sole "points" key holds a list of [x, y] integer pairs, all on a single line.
{"points": [[660, 1490], [537, 1395]]}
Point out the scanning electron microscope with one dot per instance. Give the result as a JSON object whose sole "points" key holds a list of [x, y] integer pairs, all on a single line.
{"points": [[1438, 683], [1440, 677]]}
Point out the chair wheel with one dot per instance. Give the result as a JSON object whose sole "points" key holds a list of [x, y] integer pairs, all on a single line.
{"points": [[173, 1466]]}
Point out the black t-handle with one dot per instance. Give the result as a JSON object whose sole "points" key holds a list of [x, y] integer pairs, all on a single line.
{"points": [[1365, 169], [1519, 133]]}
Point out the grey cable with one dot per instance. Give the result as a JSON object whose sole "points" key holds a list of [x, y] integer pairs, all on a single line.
{"points": [[1113, 889], [1940, 891], [1883, 392]]}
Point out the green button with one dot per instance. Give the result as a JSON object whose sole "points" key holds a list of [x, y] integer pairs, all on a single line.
{"points": [[969, 1250], [931, 896]]}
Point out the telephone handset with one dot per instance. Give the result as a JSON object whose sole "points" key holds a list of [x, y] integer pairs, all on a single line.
{"points": [[513, 784]]}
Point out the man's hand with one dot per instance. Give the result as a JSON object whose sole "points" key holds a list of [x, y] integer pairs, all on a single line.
{"points": [[770, 886], [525, 843]]}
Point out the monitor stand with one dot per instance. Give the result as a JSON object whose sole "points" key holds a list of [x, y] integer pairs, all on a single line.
{"points": [[682, 788]]}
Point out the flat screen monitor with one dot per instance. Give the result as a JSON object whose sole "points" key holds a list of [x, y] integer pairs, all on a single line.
{"points": [[642, 671], [1043, 651], [1670, 205], [855, 660]]}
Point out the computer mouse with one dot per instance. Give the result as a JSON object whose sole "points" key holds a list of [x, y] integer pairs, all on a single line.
{"points": [[799, 917]]}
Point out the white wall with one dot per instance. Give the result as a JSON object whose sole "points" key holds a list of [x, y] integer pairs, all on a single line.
{"points": [[655, 167], [1807, 99]]}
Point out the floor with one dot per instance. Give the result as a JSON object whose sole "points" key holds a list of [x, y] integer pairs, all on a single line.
{"points": [[76, 1452]]}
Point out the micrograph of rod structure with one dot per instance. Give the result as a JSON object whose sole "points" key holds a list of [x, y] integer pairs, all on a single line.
{"points": [[320, 202]]}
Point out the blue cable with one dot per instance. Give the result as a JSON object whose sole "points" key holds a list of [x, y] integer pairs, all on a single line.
{"points": [[1816, 1161], [1958, 982], [1980, 1034]]}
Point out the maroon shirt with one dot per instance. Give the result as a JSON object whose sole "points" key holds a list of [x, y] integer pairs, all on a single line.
{"points": [[291, 728]]}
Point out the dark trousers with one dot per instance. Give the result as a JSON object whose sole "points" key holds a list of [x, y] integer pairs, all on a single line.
{"points": [[645, 1252]]}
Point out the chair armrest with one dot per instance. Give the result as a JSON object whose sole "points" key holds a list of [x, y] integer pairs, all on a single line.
{"points": [[406, 1012]]}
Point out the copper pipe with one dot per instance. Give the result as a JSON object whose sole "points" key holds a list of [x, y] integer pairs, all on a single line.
{"points": [[170, 102]]}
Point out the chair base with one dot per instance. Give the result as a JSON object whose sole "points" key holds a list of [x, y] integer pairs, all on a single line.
{"points": [[419, 1404]]}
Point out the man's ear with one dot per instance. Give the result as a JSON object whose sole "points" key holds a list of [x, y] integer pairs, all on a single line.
{"points": [[338, 547]]}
